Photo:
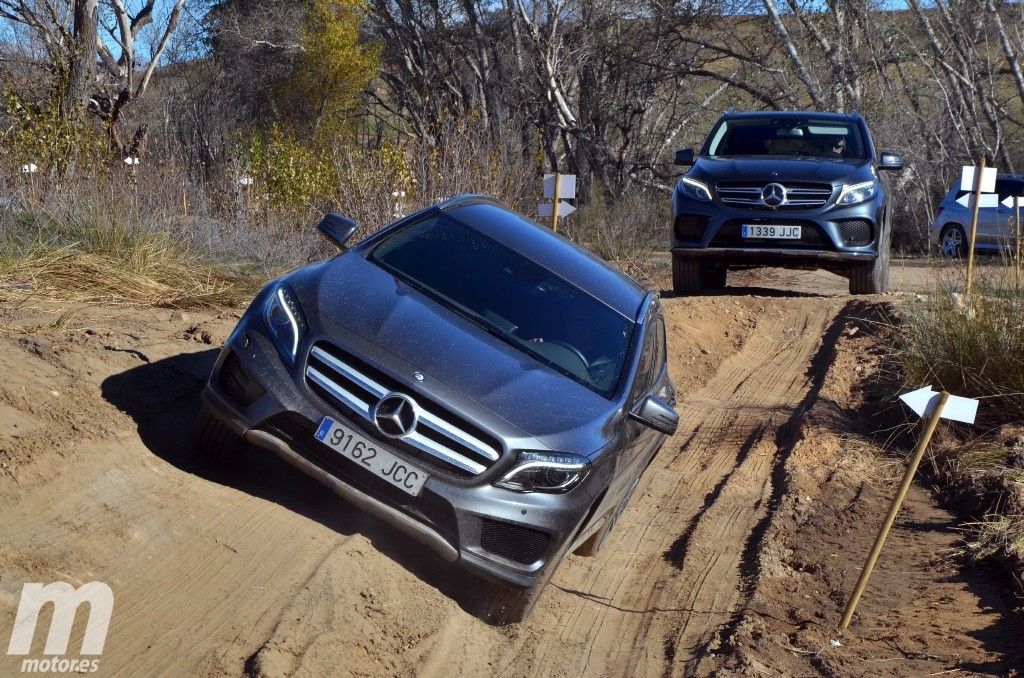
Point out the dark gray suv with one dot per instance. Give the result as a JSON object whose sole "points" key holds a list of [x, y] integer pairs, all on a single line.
{"points": [[791, 189], [465, 375]]}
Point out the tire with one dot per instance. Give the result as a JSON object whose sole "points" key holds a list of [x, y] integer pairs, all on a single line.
{"points": [[214, 440], [511, 604], [953, 241], [686, 276], [714, 278], [872, 278], [596, 542]]}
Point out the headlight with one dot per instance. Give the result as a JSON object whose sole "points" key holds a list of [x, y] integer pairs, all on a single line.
{"points": [[554, 472], [855, 193], [695, 190], [285, 322]]}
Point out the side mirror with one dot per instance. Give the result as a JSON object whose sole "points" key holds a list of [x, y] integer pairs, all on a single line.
{"points": [[337, 229], [891, 162], [656, 413], [684, 157]]}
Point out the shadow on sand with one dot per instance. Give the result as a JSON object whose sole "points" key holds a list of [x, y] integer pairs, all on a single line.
{"points": [[163, 398]]}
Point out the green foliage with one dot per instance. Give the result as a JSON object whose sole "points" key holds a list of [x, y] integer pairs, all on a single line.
{"points": [[290, 173], [334, 69], [39, 134]]}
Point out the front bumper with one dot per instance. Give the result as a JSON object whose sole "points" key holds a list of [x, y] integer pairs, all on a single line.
{"points": [[832, 236], [495, 533]]}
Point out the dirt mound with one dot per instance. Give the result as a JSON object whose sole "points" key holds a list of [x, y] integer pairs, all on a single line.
{"points": [[735, 553]]}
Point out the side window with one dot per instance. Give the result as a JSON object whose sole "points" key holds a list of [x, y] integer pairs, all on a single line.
{"points": [[1009, 188]]}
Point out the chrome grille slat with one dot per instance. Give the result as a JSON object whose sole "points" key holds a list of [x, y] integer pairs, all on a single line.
{"points": [[361, 379], [321, 375], [442, 426], [452, 457], [796, 197], [339, 392]]}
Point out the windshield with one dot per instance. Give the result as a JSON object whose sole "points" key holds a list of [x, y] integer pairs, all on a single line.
{"points": [[511, 297], [787, 137]]}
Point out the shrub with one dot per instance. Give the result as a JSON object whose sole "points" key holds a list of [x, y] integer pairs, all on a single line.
{"points": [[970, 346]]}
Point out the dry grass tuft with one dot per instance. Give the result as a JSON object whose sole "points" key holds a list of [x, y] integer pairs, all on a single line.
{"points": [[107, 257], [157, 277], [969, 346]]}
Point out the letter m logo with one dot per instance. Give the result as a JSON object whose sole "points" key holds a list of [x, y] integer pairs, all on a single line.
{"points": [[66, 600]]}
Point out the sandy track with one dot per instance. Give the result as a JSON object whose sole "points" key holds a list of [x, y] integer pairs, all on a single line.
{"points": [[262, 571]]}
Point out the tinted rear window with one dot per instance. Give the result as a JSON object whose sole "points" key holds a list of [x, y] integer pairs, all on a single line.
{"points": [[512, 297]]}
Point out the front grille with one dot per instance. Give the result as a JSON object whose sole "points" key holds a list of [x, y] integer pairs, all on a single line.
{"points": [[428, 507], [439, 438], [798, 195], [513, 542], [855, 232], [691, 226], [811, 235]]}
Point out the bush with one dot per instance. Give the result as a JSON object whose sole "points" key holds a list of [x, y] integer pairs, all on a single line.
{"points": [[970, 346]]}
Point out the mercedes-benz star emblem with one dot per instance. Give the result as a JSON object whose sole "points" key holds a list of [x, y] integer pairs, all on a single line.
{"points": [[395, 415], [773, 195]]}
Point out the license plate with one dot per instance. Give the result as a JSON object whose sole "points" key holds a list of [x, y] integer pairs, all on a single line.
{"points": [[371, 456], [771, 232]]}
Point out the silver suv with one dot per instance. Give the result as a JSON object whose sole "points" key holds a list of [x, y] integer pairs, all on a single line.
{"points": [[996, 227]]}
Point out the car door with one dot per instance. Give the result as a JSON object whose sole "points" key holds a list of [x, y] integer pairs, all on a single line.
{"points": [[652, 379], [1003, 229]]}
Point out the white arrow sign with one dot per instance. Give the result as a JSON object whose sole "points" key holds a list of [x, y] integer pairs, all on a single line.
{"points": [[984, 200], [924, 400], [566, 187], [1010, 200], [564, 209], [988, 179]]}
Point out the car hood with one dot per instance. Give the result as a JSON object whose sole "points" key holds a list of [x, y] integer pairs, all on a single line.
{"points": [[777, 169], [409, 332]]}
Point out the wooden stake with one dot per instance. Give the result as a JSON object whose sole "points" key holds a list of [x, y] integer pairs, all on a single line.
{"points": [[974, 223], [897, 502], [1016, 256], [554, 203]]}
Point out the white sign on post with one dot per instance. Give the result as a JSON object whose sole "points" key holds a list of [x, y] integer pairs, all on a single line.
{"points": [[924, 400], [566, 187], [985, 200], [1014, 202], [988, 179], [564, 209]]}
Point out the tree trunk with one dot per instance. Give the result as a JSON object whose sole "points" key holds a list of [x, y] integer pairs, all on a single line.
{"points": [[83, 53]]}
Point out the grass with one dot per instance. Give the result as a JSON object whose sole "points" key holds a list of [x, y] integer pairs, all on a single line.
{"points": [[970, 346], [996, 535], [974, 346], [91, 256]]}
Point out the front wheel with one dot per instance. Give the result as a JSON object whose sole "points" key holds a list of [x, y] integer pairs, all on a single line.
{"points": [[593, 545], [953, 242], [511, 604], [686, 276], [214, 440], [872, 278], [714, 278]]}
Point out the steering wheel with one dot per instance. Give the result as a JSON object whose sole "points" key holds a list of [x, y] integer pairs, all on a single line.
{"points": [[575, 352]]}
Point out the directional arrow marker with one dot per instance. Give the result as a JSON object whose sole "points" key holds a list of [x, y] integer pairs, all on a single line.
{"points": [[923, 402], [984, 200], [564, 209], [1010, 200]]}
